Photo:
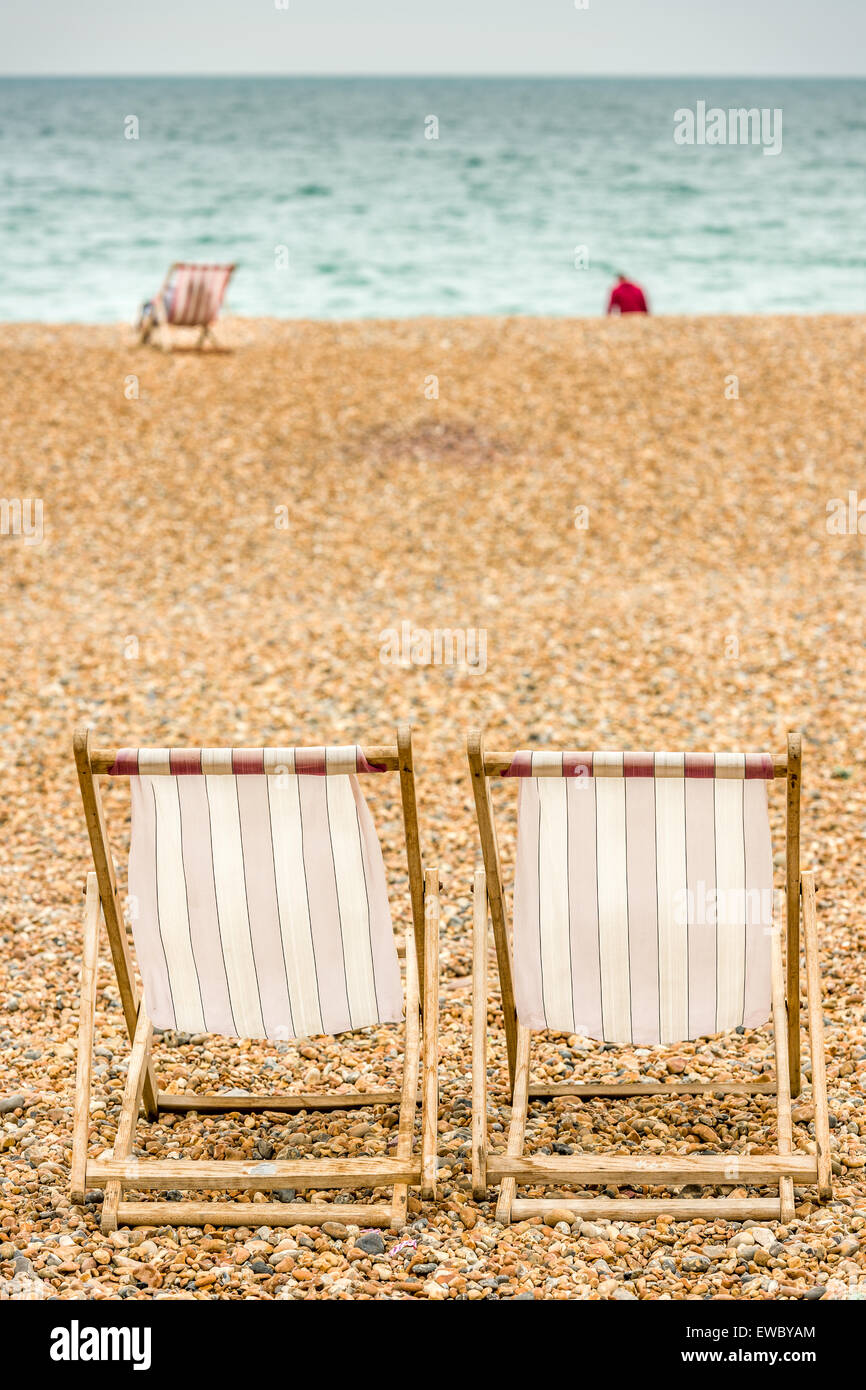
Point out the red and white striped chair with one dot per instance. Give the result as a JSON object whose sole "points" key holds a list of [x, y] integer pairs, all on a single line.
{"points": [[259, 909], [191, 296], [643, 915]]}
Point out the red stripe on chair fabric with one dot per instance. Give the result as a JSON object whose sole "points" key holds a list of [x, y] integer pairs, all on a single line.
{"points": [[193, 310], [180, 287], [637, 764], [184, 762], [125, 764], [756, 765], [310, 762], [699, 765], [248, 760], [362, 765], [520, 765], [577, 764], [218, 284], [759, 765]]}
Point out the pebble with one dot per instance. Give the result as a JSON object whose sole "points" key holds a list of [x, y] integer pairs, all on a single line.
{"points": [[371, 1243]]}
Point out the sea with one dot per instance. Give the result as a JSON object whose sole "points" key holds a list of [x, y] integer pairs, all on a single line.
{"points": [[345, 198]]}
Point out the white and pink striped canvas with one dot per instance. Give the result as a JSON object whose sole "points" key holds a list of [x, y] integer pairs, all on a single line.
{"points": [[258, 895], [643, 898], [197, 294]]}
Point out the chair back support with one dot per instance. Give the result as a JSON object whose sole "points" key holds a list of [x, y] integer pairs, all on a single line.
{"points": [[643, 898], [257, 888], [197, 294]]}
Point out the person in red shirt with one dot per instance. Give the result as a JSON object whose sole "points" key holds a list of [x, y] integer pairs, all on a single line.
{"points": [[627, 298]]}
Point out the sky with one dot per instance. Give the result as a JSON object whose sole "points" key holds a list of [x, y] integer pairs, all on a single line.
{"points": [[629, 37]]}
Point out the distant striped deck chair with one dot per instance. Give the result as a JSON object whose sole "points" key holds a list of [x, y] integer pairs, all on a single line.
{"points": [[191, 296], [259, 908], [643, 915]]}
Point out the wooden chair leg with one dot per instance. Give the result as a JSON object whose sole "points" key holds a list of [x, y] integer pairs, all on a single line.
{"points": [[479, 1038], [517, 1129], [430, 1112], [84, 1064], [409, 1094], [161, 325], [103, 863], [792, 906], [496, 895], [138, 1062], [409, 804], [783, 1077], [816, 1038]]}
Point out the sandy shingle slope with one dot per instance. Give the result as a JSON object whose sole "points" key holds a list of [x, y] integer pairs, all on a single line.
{"points": [[705, 603]]}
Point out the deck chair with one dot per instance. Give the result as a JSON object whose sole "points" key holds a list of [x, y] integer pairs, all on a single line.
{"points": [[643, 914], [191, 296], [259, 909]]}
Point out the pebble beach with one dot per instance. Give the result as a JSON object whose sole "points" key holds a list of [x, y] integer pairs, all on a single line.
{"points": [[646, 531]]}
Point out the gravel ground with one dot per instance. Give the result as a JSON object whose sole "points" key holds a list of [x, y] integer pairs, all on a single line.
{"points": [[227, 540]]}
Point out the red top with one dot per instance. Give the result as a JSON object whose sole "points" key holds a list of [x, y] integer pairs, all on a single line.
{"points": [[627, 298]]}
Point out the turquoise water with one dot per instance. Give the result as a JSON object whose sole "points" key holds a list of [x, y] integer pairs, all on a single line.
{"points": [[377, 220]]}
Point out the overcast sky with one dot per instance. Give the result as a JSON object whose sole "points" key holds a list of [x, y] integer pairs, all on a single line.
{"points": [[688, 37]]}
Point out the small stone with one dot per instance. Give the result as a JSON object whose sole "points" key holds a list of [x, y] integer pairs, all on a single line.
{"points": [[336, 1230], [371, 1243], [10, 1103], [558, 1216], [762, 1236]]}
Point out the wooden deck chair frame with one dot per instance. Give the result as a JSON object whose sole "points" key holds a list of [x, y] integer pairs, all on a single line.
{"points": [[407, 1168], [780, 1169], [159, 326]]}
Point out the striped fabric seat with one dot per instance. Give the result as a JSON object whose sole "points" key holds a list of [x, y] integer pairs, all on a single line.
{"points": [[196, 294], [643, 896], [258, 895]]}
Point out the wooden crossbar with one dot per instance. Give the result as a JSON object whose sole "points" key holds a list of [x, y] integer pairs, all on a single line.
{"points": [[216, 1103], [550, 1091], [649, 1208], [659, 1170], [245, 1214], [199, 1175]]}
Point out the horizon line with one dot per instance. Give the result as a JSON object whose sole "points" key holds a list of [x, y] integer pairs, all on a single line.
{"points": [[457, 76]]}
